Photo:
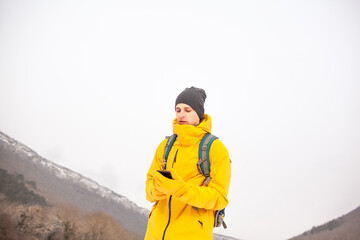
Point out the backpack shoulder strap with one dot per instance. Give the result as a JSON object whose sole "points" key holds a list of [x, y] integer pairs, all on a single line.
{"points": [[204, 158], [204, 168], [167, 149]]}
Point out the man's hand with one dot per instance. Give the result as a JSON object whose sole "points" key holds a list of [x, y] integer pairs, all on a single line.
{"points": [[168, 186], [155, 194]]}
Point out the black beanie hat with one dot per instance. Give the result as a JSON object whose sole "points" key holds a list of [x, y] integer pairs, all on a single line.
{"points": [[195, 98]]}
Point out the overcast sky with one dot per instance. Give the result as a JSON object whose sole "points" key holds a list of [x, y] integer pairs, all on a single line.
{"points": [[91, 85]]}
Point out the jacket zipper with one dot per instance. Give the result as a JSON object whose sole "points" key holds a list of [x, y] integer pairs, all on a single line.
{"points": [[163, 238], [169, 217]]}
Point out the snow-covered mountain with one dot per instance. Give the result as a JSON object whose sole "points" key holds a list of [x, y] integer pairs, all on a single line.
{"points": [[65, 173], [60, 185]]}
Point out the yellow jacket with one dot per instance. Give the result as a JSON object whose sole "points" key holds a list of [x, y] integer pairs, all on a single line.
{"points": [[175, 217]]}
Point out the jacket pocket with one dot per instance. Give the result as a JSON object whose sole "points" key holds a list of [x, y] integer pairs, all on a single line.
{"points": [[199, 218]]}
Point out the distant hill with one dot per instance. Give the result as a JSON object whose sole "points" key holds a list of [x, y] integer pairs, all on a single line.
{"points": [[346, 227], [61, 186]]}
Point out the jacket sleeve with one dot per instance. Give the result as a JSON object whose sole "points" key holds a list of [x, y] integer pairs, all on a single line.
{"points": [[213, 196], [155, 165]]}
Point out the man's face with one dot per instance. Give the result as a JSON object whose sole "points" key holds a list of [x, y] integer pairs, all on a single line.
{"points": [[186, 115]]}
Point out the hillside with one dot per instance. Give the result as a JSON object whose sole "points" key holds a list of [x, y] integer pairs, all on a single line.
{"points": [[61, 186], [346, 227], [13, 187], [25, 215]]}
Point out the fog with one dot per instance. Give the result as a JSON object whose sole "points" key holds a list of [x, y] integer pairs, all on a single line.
{"points": [[91, 85]]}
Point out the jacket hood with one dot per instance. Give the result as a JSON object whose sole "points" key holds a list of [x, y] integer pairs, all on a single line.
{"points": [[189, 134]]}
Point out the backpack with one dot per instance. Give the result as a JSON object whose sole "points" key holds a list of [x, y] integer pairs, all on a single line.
{"points": [[203, 166]]}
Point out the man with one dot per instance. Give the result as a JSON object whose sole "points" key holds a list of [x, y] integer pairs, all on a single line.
{"points": [[184, 206]]}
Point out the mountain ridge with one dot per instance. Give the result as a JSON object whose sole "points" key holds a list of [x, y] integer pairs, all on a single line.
{"points": [[64, 172], [60, 185], [346, 227]]}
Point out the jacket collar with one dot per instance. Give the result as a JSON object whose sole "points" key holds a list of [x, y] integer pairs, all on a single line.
{"points": [[188, 134]]}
